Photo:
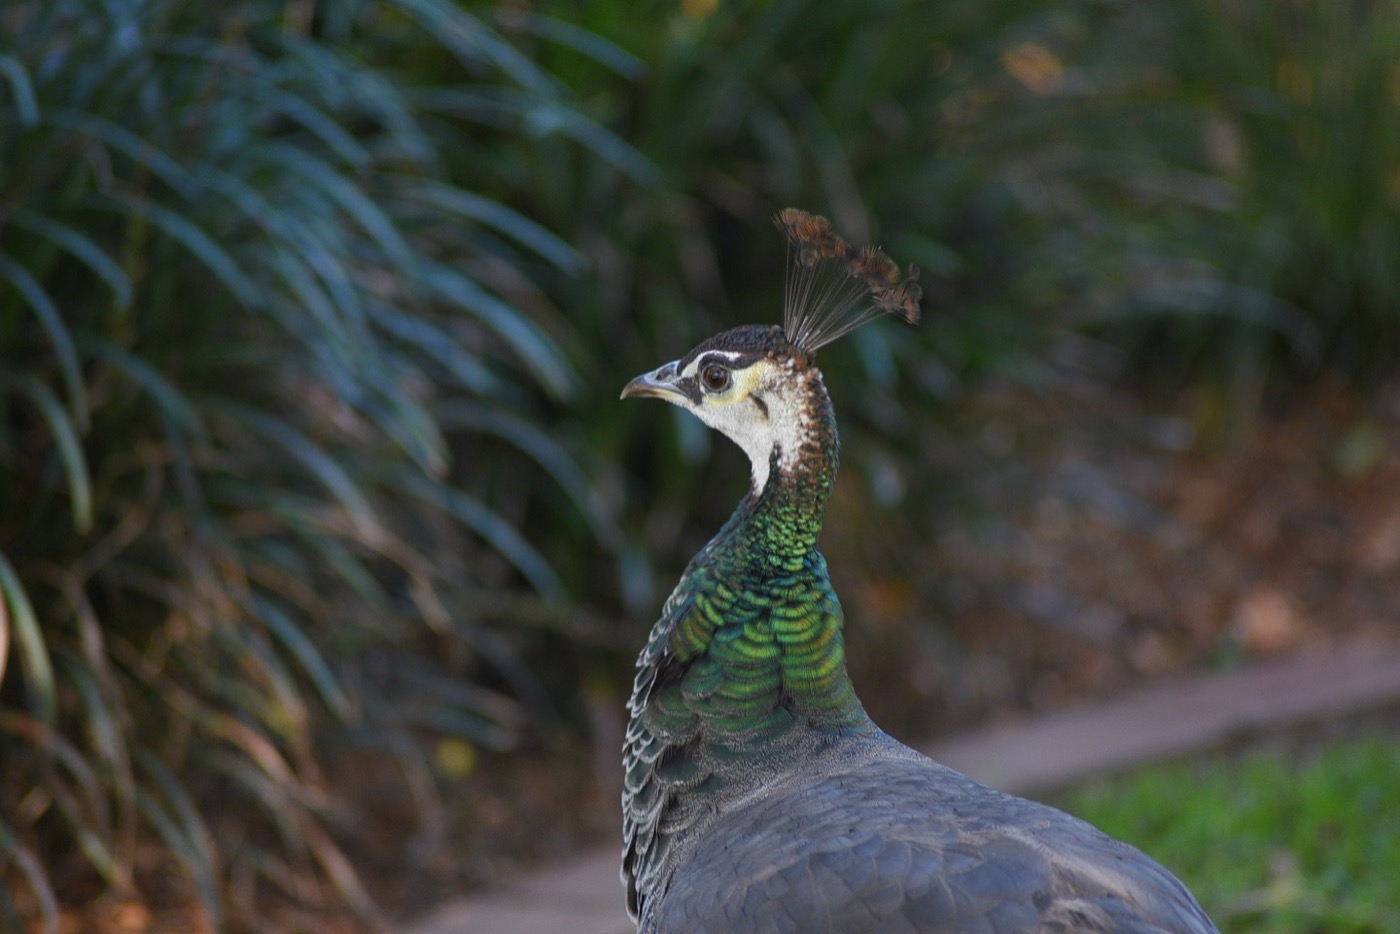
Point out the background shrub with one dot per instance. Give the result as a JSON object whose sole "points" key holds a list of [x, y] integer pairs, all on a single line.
{"points": [[313, 317], [266, 355]]}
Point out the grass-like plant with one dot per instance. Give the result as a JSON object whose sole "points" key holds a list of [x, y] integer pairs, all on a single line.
{"points": [[1269, 844], [268, 335]]}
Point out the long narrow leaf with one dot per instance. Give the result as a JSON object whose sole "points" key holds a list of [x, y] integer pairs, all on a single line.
{"points": [[310, 297], [258, 747], [340, 870], [33, 652], [369, 216], [168, 398], [346, 83], [473, 43], [320, 464], [487, 106], [526, 685], [601, 50], [427, 336], [70, 449], [352, 572], [12, 849], [191, 858], [459, 415], [184, 808], [547, 118], [267, 689], [331, 270], [81, 246], [512, 109], [54, 747], [319, 124], [304, 650], [433, 688], [534, 348], [4, 636], [88, 819], [276, 799], [120, 138], [255, 206], [188, 234], [104, 715], [501, 535], [59, 336], [444, 197], [21, 89], [464, 723], [403, 418]]}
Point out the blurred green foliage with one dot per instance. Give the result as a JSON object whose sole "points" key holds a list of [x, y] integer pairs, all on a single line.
{"points": [[313, 314], [1267, 844], [1244, 154], [268, 340], [879, 116]]}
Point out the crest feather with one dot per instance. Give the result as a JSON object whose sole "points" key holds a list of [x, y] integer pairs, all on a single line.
{"points": [[833, 288]]}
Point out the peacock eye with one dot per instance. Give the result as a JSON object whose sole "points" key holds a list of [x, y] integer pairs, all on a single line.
{"points": [[715, 378]]}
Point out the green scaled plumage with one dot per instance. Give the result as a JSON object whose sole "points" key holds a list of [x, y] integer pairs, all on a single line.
{"points": [[746, 665], [751, 640]]}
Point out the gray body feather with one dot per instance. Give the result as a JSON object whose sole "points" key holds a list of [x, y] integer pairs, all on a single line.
{"points": [[869, 835]]}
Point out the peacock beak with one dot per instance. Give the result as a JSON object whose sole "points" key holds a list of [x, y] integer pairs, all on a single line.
{"points": [[660, 383]]}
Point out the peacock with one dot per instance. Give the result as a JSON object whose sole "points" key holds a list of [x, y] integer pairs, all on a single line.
{"points": [[758, 794]]}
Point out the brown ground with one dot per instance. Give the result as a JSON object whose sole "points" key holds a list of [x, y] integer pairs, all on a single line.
{"points": [[1101, 545]]}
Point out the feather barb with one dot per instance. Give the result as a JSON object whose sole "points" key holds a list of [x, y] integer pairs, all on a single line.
{"points": [[833, 288]]}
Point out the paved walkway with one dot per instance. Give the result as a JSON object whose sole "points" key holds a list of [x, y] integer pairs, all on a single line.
{"points": [[1167, 720]]}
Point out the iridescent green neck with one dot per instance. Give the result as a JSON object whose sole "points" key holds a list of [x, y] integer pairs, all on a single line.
{"points": [[788, 514], [762, 643], [746, 667]]}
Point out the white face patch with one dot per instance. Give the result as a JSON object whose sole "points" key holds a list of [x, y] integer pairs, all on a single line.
{"points": [[761, 410]]}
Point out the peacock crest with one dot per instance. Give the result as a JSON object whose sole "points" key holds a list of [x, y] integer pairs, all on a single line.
{"points": [[832, 287]]}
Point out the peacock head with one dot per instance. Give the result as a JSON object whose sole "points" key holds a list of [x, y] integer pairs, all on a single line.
{"points": [[758, 384]]}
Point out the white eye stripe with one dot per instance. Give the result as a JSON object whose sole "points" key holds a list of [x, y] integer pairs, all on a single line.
{"points": [[708, 357]]}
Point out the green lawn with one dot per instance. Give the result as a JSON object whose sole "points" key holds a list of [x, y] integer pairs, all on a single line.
{"points": [[1267, 843]]}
